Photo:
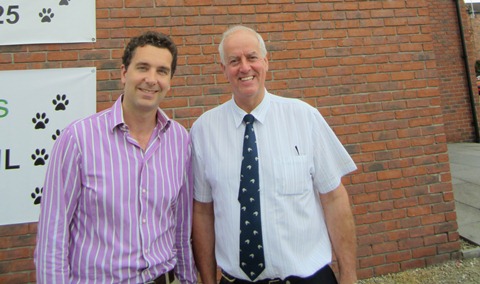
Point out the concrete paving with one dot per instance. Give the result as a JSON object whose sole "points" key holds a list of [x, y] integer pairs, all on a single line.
{"points": [[465, 169]]}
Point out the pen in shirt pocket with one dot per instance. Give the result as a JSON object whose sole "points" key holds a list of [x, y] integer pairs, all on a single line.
{"points": [[296, 148]]}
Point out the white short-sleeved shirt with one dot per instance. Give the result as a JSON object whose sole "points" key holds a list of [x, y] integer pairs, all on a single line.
{"points": [[299, 156]]}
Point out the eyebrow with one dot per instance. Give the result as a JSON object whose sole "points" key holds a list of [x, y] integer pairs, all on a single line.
{"points": [[247, 54], [166, 68]]}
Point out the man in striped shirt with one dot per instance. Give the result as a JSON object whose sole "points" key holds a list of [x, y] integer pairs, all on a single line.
{"points": [[117, 201]]}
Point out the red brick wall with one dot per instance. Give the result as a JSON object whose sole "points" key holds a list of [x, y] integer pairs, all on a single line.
{"points": [[475, 26], [369, 66], [456, 106], [17, 243]]}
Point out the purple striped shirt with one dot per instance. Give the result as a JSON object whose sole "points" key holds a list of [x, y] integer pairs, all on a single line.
{"points": [[112, 212]]}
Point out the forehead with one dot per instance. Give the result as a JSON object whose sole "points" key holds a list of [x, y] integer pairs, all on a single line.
{"points": [[241, 42], [152, 54]]}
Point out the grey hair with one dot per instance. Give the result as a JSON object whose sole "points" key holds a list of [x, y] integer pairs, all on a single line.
{"points": [[230, 31]]}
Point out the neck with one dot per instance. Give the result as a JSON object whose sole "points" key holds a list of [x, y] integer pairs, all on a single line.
{"points": [[248, 104], [140, 121], [141, 126]]}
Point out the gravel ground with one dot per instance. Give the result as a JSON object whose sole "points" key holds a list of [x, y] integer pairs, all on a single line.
{"points": [[465, 271]]}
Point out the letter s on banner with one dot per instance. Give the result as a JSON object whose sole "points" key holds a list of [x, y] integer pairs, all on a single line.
{"points": [[3, 109]]}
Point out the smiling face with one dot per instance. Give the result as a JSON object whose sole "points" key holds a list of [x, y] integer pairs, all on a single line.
{"points": [[146, 79], [245, 68]]}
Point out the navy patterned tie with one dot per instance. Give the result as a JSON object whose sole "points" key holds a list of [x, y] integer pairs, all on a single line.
{"points": [[252, 260]]}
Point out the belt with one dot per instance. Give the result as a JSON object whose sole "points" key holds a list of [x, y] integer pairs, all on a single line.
{"points": [[165, 278], [232, 279], [324, 275]]}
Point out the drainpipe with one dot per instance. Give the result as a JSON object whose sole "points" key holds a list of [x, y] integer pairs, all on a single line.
{"points": [[469, 77]]}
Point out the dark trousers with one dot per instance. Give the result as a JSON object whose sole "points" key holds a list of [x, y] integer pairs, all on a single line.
{"points": [[323, 276]]}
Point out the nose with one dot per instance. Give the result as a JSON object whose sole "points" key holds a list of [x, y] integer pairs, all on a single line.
{"points": [[244, 66], [150, 77]]}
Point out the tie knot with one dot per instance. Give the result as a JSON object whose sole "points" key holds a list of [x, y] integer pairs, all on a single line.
{"points": [[248, 118]]}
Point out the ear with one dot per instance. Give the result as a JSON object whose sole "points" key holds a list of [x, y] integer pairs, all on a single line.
{"points": [[266, 63], [123, 72], [224, 69]]}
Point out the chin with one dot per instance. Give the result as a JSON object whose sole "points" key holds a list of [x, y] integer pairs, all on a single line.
{"points": [[250, 92]]}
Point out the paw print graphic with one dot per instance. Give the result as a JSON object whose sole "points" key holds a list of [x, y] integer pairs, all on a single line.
{"points": [[56, 134], [46, 15], [40, 120], [40, 157], [60, 102], [37, 195], [64, 2]]}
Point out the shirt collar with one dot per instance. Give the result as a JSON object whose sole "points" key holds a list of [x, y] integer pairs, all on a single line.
{"points": [[260, 112], [116, 120]]}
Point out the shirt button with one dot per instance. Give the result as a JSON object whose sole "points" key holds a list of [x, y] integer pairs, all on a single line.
{"points": [[144, 190], [144, 221]]}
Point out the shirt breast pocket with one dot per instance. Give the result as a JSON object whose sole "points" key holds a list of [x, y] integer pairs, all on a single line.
{"points": [[292, 175]]}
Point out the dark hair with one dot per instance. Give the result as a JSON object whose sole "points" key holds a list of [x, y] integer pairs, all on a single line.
{"points": [[154, 39]]}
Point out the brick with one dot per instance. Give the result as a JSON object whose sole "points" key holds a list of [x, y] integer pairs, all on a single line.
{"points": [[436, 239], [394, 214], [6, 58], [14, 278], [410, 243], [370, 240], [420, 191], [365, 198], [187, 112], [433, 219], [384, 226], [421, 231], [174, 103], [368, 219], [399, 256], [359, 209], [17, 265], [430, 199], [371, 261], [62, 56], [389, 174], [403, 183], [29, 57], [17, 241], [15, 253], [14, 230], [109, 4], [453, 237], [365, 273], [446, 227], [424, 251], [385, 247], [138, 3], [419, 211], [385, 269], [448, 196]]}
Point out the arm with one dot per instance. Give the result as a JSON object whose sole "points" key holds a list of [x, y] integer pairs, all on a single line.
{"points": [[341, 228], [60, 194], [204, 241], [185, 268]]}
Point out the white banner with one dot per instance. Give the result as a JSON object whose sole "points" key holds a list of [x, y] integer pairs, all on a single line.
{"points": [[35, 105], [47, 21]]}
